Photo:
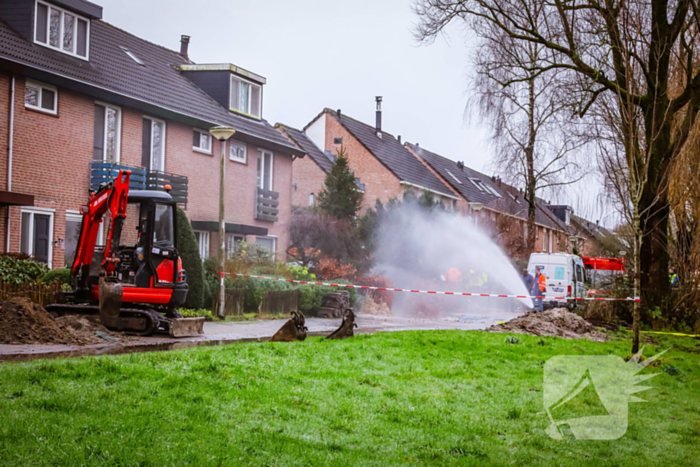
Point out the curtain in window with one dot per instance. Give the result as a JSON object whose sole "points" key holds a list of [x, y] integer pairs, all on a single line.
{"points": [[68, 21], [31, 96], [111, 136], [245, 98], [157, 162], [54, 28]]}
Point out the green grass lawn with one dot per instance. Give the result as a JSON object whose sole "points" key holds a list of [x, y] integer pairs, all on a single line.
{"points": [[438, 397]]}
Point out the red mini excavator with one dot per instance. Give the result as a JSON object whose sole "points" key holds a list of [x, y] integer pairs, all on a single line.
{"points": [[135, 288]]}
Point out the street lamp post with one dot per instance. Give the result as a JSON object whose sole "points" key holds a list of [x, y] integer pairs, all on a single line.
{"points": [[222, 133]]}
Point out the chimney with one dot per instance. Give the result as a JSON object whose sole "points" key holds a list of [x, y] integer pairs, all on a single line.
{"points": [[184, 45], [399, 138], [499, 181], [378, 127], [338, 113]]}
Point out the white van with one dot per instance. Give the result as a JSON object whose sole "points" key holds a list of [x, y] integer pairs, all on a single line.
{"points": [[565, 276]]}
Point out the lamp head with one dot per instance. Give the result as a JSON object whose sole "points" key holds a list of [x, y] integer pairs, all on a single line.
{"points": [[222, 133]]}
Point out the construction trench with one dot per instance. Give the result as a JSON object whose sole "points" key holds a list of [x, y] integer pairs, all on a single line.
{"points": [[28, 332]]}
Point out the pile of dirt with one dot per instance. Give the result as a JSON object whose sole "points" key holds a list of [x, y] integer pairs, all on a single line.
{"points": [[557, 322], [370, 307], [24, 322], [86, 327]]}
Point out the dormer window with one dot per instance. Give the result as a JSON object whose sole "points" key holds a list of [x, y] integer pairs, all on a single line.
{"points": [[61, 30], [246, 97]]}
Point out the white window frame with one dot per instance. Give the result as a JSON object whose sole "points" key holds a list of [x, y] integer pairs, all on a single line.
{"points": [[60, 34], [30, 246], [544, 240], [41, 86], [311, 199], [231, 245], [239, 144], [118, 149], [200, 149], [203, 243], [274, 243], [73, 216], [132, 56], [550, 241], [454, 177], [262, 152], [479, 184], [250, 97], [165, 128]]}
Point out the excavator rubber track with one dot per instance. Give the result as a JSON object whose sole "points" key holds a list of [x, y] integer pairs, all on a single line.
{"points": [[136, 321]]}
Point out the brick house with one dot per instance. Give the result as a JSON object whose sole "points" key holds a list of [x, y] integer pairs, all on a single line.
{"points": [[380, 161], [497, 207], [84, 98], [309, 173]]}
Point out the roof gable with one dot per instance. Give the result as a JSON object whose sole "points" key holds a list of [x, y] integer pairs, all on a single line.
{"points": [[304, 143], [393, 155]]}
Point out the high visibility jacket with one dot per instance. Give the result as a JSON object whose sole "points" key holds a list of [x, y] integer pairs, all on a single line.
{"points": [[453, 275], [540, 283], [673, 278]]}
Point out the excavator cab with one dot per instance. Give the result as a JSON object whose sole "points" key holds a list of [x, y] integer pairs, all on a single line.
{"points": [[136, 278]]}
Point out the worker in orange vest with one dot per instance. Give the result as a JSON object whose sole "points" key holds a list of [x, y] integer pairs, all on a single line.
{"points": [[453, 275], [539, 288]]}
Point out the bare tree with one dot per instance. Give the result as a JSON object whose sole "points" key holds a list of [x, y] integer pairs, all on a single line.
{"points": [[527, 115], [611, 47]]}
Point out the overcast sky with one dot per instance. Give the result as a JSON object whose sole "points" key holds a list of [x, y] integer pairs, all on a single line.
{"points": [[338, 54], [327, 53]]}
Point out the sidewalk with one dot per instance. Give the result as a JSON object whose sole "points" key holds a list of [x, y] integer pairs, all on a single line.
{"points": [[218, 333]]}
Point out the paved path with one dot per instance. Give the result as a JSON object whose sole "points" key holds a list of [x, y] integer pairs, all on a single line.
{"points": [[216, 333]]}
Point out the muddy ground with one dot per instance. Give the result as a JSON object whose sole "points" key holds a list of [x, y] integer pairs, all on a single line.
{"points": [[557, 322], [25, 322]]}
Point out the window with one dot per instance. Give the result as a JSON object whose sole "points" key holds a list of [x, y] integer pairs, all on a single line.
{"points": [[41, 97], [36, 234], [453, 176], [201, 141], [265, 162], [479, 184], [231, 241], [73, 222], [107, 140], [551, 234], [246, 97], [203, 242], [267, 242], [544, 240], [567, 217], [163, 231], [514, 197], [133, 56], [237, 151], [311, 199], [153, 144], [61, 30]]}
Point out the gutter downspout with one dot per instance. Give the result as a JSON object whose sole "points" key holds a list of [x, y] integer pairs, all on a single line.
{"points": [[9, 157]]}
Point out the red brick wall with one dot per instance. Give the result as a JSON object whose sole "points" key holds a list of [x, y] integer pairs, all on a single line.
{"points": [[54, 167], [308, 178], [379, 182]]}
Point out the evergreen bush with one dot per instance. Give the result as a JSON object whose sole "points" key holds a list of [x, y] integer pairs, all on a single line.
{"points": [[188, 248]]}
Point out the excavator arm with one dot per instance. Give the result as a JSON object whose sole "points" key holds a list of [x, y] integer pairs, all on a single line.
{"points": [[111, 196]]}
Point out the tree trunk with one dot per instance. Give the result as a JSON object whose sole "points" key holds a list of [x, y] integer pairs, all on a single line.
{"points": [[531, 181]]}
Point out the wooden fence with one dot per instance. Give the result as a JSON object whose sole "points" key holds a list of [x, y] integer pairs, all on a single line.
{"points": [[280, 302], [36, 292], [234, 303]]}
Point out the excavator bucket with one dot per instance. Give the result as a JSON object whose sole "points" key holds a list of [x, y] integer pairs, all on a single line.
{"points": [[294, 329], [346, 327], [110, 298], [181, 327]]}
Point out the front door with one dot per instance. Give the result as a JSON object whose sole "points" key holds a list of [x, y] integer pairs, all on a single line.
{"points": [[41, 237]]}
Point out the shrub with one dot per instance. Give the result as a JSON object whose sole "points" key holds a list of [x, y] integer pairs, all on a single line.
{"points": [[57, 275], [512, 340], [379, 296], [211, 280], [20, 268], [191, 261], [190, 313]]}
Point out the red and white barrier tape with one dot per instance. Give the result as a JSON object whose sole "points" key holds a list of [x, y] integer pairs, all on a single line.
{"points": [[390, 289]]}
